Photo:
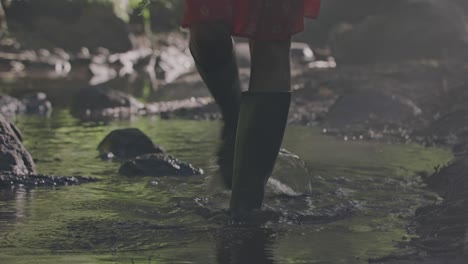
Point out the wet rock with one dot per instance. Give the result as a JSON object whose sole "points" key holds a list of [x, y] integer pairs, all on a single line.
{"points": [[193, 108], [413, 30], [290, 176], [450, 128], [368, 107], [102, 102], [14, 158], [441, 227], [93, 98], [37, 104], [208, 111], [451, 180], [460, 149], [10, 106], [158, 165], [126, 144], [8, 180]]}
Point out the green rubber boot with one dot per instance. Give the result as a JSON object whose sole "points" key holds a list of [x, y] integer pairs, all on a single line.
{"points": [[262, 122], [224, 85]]}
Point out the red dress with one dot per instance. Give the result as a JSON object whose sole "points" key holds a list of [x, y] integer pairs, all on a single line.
{"points": [[257, 19]]}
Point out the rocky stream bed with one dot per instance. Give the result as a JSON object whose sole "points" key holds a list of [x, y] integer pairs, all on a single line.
{"points": [[402, 90]]}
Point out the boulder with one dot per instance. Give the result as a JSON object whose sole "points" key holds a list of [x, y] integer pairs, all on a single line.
{"points": [[369, 107], [452, 177], [440, 227], [334, 12], [158, 165], [422, 29], [100, 102], [14, 158], [126, 144]]}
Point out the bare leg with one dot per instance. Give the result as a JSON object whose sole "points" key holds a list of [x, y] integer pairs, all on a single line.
{"points": [[212, 49], [262, 121]]}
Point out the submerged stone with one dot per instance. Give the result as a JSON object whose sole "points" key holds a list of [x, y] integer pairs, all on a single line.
{"points": [[126, 144], [158, 165], [9, 179]]}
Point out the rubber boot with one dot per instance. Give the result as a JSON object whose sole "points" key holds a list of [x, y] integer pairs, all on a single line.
{"points": [[224, 85], [262, 122]]}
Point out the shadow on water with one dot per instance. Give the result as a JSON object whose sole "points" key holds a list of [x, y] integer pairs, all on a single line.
{"points": [[330, 201], [238, 245]]}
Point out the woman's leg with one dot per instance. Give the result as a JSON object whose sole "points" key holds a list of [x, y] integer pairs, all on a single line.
{"points": [[270, 70], [262, 121], [211, 46]]}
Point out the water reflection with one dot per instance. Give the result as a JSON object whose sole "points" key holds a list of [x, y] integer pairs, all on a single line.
{"points": [[21, 198], [14, 202], [240, 245], [122, 216]]}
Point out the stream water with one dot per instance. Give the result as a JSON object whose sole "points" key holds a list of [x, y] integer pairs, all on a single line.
{"points": [[332, 201]]}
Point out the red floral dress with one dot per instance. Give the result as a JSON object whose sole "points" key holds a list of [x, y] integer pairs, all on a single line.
{"points": [[257, 19]]}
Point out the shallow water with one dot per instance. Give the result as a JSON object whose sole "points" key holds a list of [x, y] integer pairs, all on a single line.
{"points": [[333, 201]]}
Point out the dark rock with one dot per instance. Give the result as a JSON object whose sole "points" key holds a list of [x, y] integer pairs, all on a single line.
{"points": [[96, 102], [37, 104], [14, 158], [440, 227], [126, 144], [10, 106], [451, 180], [93, 98], [450, 126], [334, 12], [209, 111], [409, 30], [158, 165], [9, 179], [290, 176], [366, 107], [460, 148]]}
